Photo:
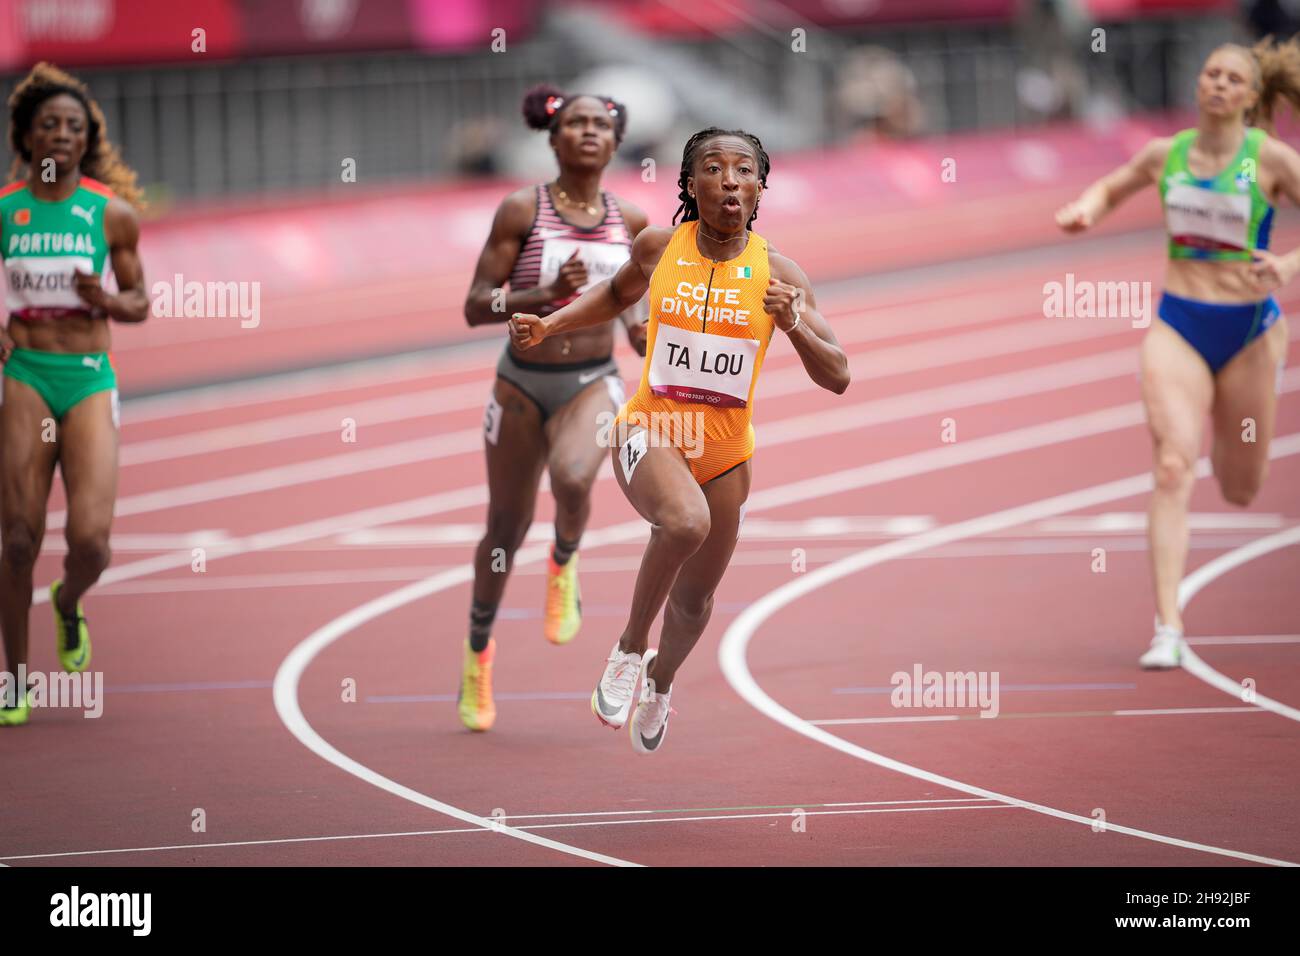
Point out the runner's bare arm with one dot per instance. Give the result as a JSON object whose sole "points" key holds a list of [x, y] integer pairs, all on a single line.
{"points": [[601, 302], [485, 302], [790, 292], [131, 303], [1115, 187], [1270, 270], [634, 319], [6, 343]]}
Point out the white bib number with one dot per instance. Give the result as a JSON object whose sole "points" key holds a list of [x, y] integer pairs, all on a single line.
{"points": [[701, 367], [492, 420], [1205, 219], [36, 282], [602, 260], [631, 454]]}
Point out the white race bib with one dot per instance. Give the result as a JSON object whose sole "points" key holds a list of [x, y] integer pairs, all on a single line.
{"points": [[492, 420], [602, 259], [632, 453], [1205, 219], [701, 367], [44, 282]]}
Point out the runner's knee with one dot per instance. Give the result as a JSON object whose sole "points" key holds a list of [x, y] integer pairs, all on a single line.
{"points": [[692, 607], [89, 547], [1173, 472], [19, 548], [506, 529], [685, 526], [570, 487]]}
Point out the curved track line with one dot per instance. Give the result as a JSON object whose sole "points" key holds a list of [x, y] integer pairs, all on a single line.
{"points": [[994, 446], [1202, 576], [735, 642], [286, 705]]}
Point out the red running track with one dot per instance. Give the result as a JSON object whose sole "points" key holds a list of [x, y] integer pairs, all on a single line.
{"points": [[225, 687]]}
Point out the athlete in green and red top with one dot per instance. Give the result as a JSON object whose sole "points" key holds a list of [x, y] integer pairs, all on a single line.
{"points": [[69, 212]]}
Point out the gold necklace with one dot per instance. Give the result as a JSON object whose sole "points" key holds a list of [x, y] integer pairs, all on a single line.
{"points": [[715, 238], [590, 209]]}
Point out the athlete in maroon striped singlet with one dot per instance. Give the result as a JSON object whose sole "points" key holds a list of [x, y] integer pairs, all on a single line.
{"points": [[549, 243]]}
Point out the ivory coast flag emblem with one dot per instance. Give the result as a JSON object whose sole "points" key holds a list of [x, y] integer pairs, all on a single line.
{"points": [[742, 272]]}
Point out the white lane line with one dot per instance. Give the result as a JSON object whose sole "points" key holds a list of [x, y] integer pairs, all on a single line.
{"points": [[796, 428], [877, 363], [1189, 710], [744, 557], [931, 312], [290, 672], [839, 721], [915, 357], [763, 816], [268, 540], [306, 383], [1119, 522], [1037, 436], [433, 403], [789, 806], [538, 826], [287, 476], [427, 403], [207, 583], [733, 650], [160, 541], [883, 323], [424, 535], [285, 694], [850, 721], [1248, 639], [1202, 576]]}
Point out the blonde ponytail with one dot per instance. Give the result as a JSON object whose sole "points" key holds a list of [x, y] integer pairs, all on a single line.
{"points": [[1277, 77]]}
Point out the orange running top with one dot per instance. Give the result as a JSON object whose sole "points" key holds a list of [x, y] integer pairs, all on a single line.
{"points": [[707, 336]]}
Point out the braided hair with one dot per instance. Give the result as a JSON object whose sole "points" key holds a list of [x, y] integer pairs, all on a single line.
{"points": [[544, 103], [101, 161], [688, 209]]}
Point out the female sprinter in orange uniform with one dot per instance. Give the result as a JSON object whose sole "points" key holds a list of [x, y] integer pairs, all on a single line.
{"points": [[717, 293], [1219, 346], [69, 214], [550, 242]]}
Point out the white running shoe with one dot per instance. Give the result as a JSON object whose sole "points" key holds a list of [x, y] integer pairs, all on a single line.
{"points": [[649, 724], [1166, 649], [612, 699]]}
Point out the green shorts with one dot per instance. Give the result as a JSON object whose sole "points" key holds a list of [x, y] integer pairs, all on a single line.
{"points": [[64, 378]]}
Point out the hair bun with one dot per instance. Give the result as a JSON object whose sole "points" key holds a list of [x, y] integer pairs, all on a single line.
{"points": [[541, 103]]}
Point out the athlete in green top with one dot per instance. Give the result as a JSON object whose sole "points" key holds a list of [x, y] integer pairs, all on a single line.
{"points": [[1224, 217], [69, 211], [1221, 338]]}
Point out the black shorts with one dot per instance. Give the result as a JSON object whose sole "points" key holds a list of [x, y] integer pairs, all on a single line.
{"points": [[551, 387]]}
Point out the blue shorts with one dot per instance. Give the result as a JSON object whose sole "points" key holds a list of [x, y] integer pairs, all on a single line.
{"points": [[1218, 331]]}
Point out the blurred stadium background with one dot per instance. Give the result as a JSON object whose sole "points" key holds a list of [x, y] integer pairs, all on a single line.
{"points": [[241, 115]]}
